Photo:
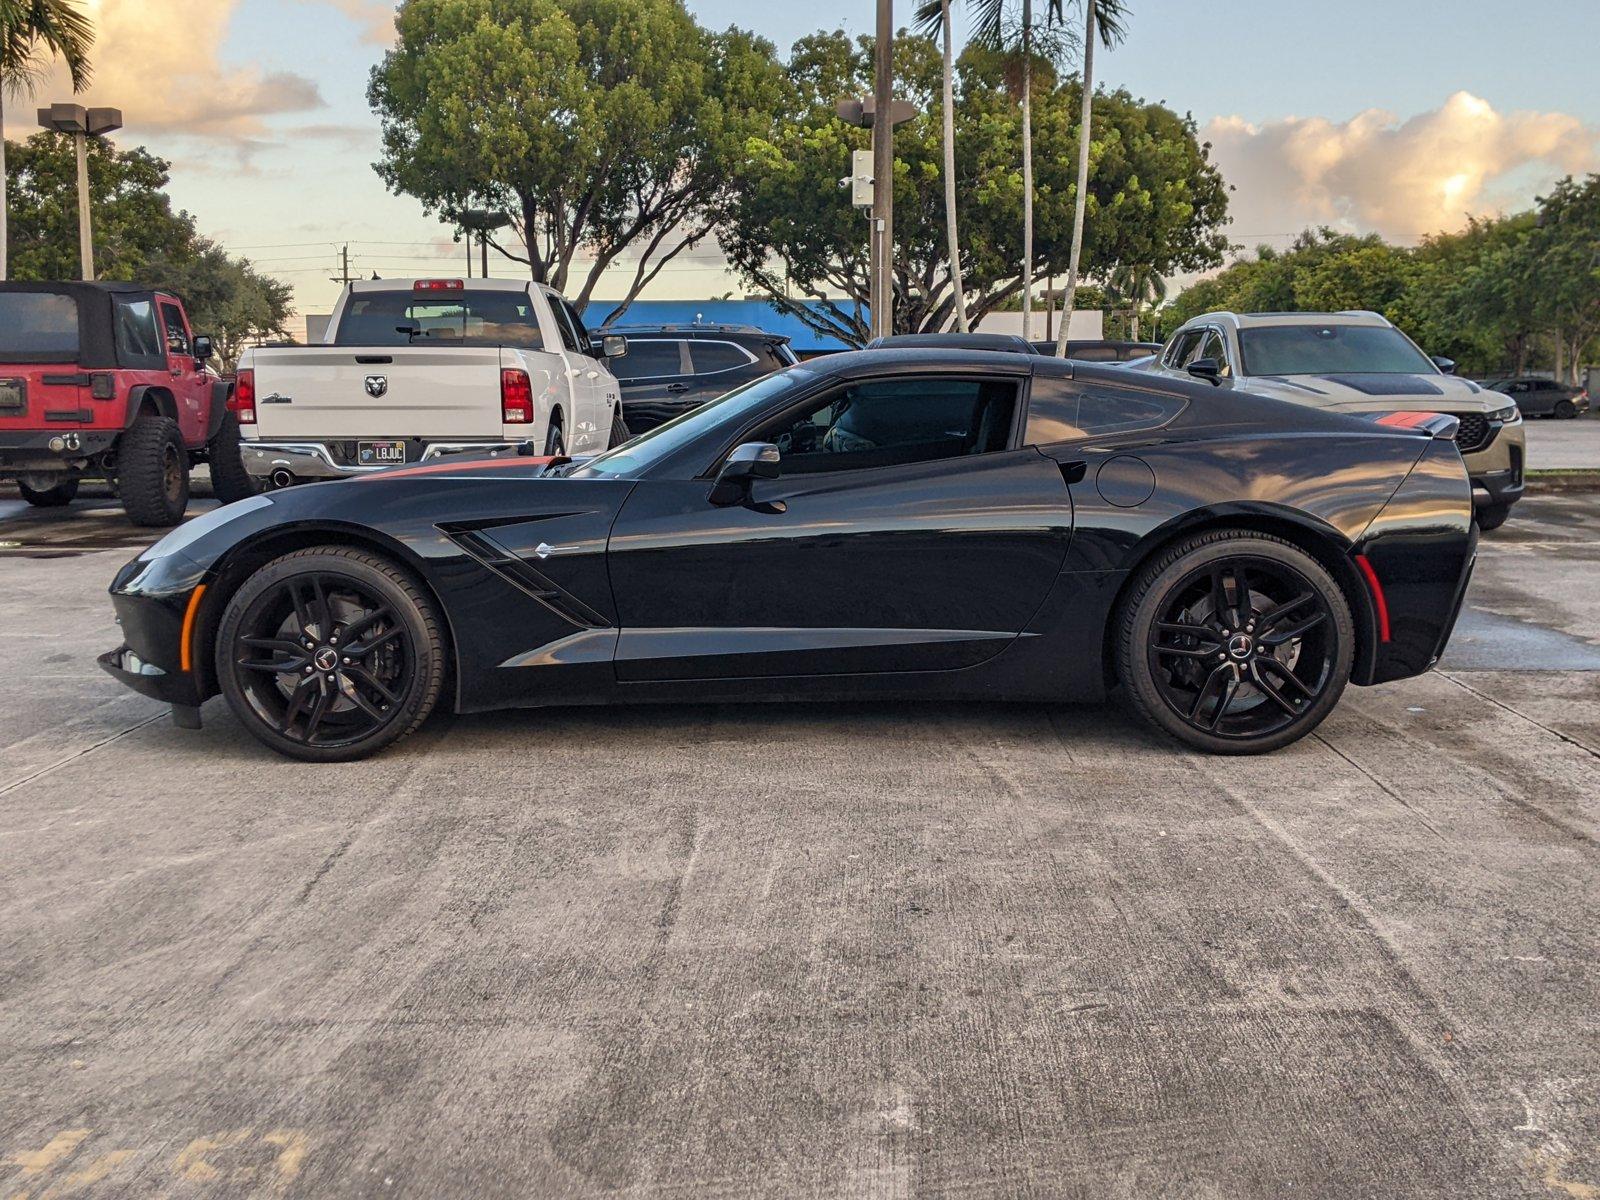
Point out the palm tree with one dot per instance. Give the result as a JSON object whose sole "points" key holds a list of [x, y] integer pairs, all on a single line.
{"points": [[31, 33], [1137, 286], [1108, 16]]}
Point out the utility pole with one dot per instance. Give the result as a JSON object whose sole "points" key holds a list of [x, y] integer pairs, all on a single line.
{"points": [[344, 275], [883, 175]]}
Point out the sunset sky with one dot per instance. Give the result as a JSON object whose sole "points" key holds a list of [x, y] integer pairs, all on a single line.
{"points": [[1396, 117]]}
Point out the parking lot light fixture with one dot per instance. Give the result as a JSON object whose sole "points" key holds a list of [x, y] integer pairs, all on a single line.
{"points": [[82, 123]]}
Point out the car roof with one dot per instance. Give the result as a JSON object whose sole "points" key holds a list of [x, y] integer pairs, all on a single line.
{"points": [[895, 359], [407, 283], [694, 331], [1263, 320], [74, 285], [1004, 343]]}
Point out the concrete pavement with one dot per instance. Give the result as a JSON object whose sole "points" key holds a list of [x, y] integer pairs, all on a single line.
{"points": [[785, 951]]}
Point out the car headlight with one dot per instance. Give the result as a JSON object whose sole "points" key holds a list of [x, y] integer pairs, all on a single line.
{"points": [[1508, 415]]}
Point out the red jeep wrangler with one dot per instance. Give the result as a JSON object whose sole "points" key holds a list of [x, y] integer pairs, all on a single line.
{"points": [[105, 380]]}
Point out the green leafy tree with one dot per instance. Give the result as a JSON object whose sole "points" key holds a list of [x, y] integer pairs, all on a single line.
{"points": [[138, 237], [32, 32], [603, 127], [1563, 263], [1157, 198]]}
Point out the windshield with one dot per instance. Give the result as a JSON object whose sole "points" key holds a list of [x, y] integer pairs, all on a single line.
{"points": [[472, 318], [1331, 350], [38, 327], [634, 457]]}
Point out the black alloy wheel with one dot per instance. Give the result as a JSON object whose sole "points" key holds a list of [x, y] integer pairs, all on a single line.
{"points": [[330, 654], [1566, 410], [1236, 642]]}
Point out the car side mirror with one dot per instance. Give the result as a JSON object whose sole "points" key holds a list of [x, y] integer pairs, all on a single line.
{"points": [[1446, 366], [1208, 369], [613, 345], [204, 351], [745, 465]]}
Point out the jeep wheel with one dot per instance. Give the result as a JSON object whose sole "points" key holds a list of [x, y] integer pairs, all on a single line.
{"points": [[153, 472], [229, 480], [59, 496]]}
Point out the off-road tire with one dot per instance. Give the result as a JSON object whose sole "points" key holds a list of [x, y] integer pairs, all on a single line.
{"points": [[229, 480], [415, 609], [1132, 624], [153, 472], [1491, 516], [59, 496], [619, 429]]}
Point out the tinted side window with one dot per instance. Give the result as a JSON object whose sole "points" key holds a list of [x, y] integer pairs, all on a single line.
{"points": [[709, 357], [177, 334], [893, 422], [578, 328], [1103, 409], [1215, 349], [1052, 412], [136, 329], [647, 360], [1182, 348]]}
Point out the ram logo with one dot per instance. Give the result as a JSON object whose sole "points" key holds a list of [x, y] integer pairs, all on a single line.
{"points": [[377, 385]]}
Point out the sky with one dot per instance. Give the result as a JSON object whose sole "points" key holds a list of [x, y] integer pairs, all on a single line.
{"points": [[1401, 116]]}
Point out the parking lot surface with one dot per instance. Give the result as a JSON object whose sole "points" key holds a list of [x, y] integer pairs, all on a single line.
{"points": [[861, 950]]}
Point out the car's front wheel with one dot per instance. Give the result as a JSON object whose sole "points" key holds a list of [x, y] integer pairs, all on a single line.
{"points": [[1234, 642], [1491, 516], [330, 654]]}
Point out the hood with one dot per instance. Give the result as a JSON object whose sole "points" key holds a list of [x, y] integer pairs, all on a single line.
{"points": [[1378, 393]]}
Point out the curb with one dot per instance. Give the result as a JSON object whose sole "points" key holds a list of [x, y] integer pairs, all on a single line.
{"points": [[1564, 481]]}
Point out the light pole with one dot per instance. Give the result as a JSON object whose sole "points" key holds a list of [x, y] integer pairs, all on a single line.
{"points": [[481, 221], [82, 124]]}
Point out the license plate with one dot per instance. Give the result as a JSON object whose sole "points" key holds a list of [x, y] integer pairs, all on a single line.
{"points": [[13, 395], [380, 454]]}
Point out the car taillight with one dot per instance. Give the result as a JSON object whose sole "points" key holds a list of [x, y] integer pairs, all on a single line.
{"points": [[242, 402], [516, 397], [436, 285]]}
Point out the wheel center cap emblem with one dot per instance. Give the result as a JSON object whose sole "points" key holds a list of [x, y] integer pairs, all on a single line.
{"points": [[327, 659], [1240, 645]]}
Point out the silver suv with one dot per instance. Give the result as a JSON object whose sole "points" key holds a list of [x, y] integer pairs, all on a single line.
{"points": [[1356, 362]]}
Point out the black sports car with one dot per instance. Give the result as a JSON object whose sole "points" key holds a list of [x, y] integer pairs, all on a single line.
{"points": [[928, 524]]}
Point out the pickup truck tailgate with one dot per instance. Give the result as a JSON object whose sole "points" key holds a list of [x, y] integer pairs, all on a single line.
{"points": [[392, 391]]}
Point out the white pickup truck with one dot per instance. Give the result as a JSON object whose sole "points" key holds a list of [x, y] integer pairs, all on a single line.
{"points": [[416, 369]]}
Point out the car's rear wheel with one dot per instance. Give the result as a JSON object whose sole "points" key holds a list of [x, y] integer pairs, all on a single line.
{"points": [[1234, 642], [555, 441], [330, 654], [1566, 409], [58, 496], [619, 429], [153, 472], [1491, 516]]}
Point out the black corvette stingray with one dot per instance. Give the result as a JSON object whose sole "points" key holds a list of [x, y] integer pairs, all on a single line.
{"points": [[929, 524]]}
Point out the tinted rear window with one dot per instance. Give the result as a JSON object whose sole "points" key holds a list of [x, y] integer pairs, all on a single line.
{"points": [[710, 357], [41, 325], [648, 360], [420, 319]]}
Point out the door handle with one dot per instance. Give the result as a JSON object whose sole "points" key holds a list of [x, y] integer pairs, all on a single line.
{"points": [[677, 387]]}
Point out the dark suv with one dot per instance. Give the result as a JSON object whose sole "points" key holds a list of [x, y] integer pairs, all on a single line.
{"points": [[1543, 397], [670, 369]]}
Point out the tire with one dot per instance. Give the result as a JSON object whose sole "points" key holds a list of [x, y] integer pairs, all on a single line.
{"points": [[619, 429], [59, 496], [1491, 516], [229, 480], [1284, 638], [312, 703], [153, 472], [555, 441], [1566, 410]]}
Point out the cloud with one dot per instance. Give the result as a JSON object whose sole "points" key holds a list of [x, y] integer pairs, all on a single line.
{"points": [[156, 60], [1402, 179], [374, 18]]}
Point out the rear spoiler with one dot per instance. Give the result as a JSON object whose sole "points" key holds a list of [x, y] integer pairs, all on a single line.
{"points": [[1439, 425]]}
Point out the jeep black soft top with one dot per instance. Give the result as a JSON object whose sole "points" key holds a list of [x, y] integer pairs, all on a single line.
{"points": [[96, 345]]}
